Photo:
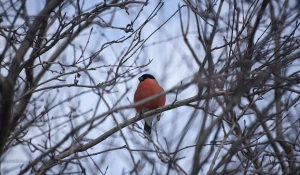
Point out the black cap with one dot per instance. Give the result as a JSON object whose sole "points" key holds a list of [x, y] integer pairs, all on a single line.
{"points": [[145, 76]]}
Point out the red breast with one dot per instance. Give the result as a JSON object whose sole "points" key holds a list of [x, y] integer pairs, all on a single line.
{"points": [[147, 88]]}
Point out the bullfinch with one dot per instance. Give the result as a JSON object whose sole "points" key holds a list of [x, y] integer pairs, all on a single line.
{"points": [[148, 87]]}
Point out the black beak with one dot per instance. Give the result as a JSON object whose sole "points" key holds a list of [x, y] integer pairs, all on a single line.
{"points": [[141, 79]]}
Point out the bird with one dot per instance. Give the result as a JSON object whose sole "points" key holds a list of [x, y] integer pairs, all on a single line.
{"points": [[147, 87]]}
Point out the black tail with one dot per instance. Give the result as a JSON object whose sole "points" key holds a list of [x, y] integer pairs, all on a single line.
{"points": [[147, 128]]}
